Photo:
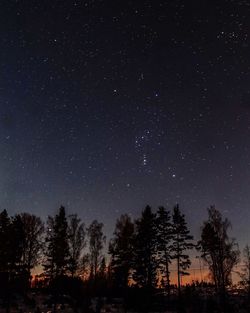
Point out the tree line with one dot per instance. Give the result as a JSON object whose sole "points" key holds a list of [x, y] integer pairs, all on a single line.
{"points": [[140, 252]]}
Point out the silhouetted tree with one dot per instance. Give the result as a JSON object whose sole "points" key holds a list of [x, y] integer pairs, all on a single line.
{"points": [[164, 244], [84, 266], [218, 250], [181, 243], [76, 240], [96, 245], [245, 272], [57, 248], [121, 250], [17, 242], [5, 247], [145, 251], [33, 229], [5, 257], [102, 269]]}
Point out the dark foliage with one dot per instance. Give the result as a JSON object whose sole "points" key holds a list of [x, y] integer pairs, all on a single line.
{"points": [[121, 250], [164, 245], [182, 242], [138, 276], [57, 246], [145, 251]]}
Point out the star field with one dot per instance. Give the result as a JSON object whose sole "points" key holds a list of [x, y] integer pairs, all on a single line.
{"points": [[108, 106]]}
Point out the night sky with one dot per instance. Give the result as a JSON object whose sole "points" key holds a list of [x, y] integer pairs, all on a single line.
{"points": [[106, 106]]}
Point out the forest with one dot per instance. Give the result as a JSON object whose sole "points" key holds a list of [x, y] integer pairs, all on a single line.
{"points": [[139, 269]]}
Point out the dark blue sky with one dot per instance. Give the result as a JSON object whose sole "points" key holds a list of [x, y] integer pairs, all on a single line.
{"points": [[106, 106]]}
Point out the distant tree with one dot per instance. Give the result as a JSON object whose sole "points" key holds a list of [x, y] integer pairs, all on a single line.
{"points": [[16, 242], [5, 257], [15, 278], [121, 250], [182, 241], [102, 268], [145, 251], [102, 278], [84, 266], [220, 252], [5, 248], [96, 245], [245, 273], [76, 240], [57, 248], [33, 229], [164, 237]]}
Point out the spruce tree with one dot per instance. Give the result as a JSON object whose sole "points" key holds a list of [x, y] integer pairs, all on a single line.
{"points": [[121, 250], [5, 236], [145, 251], [57, 248], [17, 244], [181, 243], [164, 245]]}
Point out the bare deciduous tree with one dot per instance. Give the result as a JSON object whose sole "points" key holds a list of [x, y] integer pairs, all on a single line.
{"points": [[220, 252], [33, 229], [245, 273], [76, 239], [96, 245]]}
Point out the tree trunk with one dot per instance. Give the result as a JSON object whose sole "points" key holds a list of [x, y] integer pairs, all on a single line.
{"points": [[179, 276], [168, 280]]}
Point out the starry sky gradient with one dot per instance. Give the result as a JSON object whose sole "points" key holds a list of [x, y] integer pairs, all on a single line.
{"points": [[106, 106]]}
